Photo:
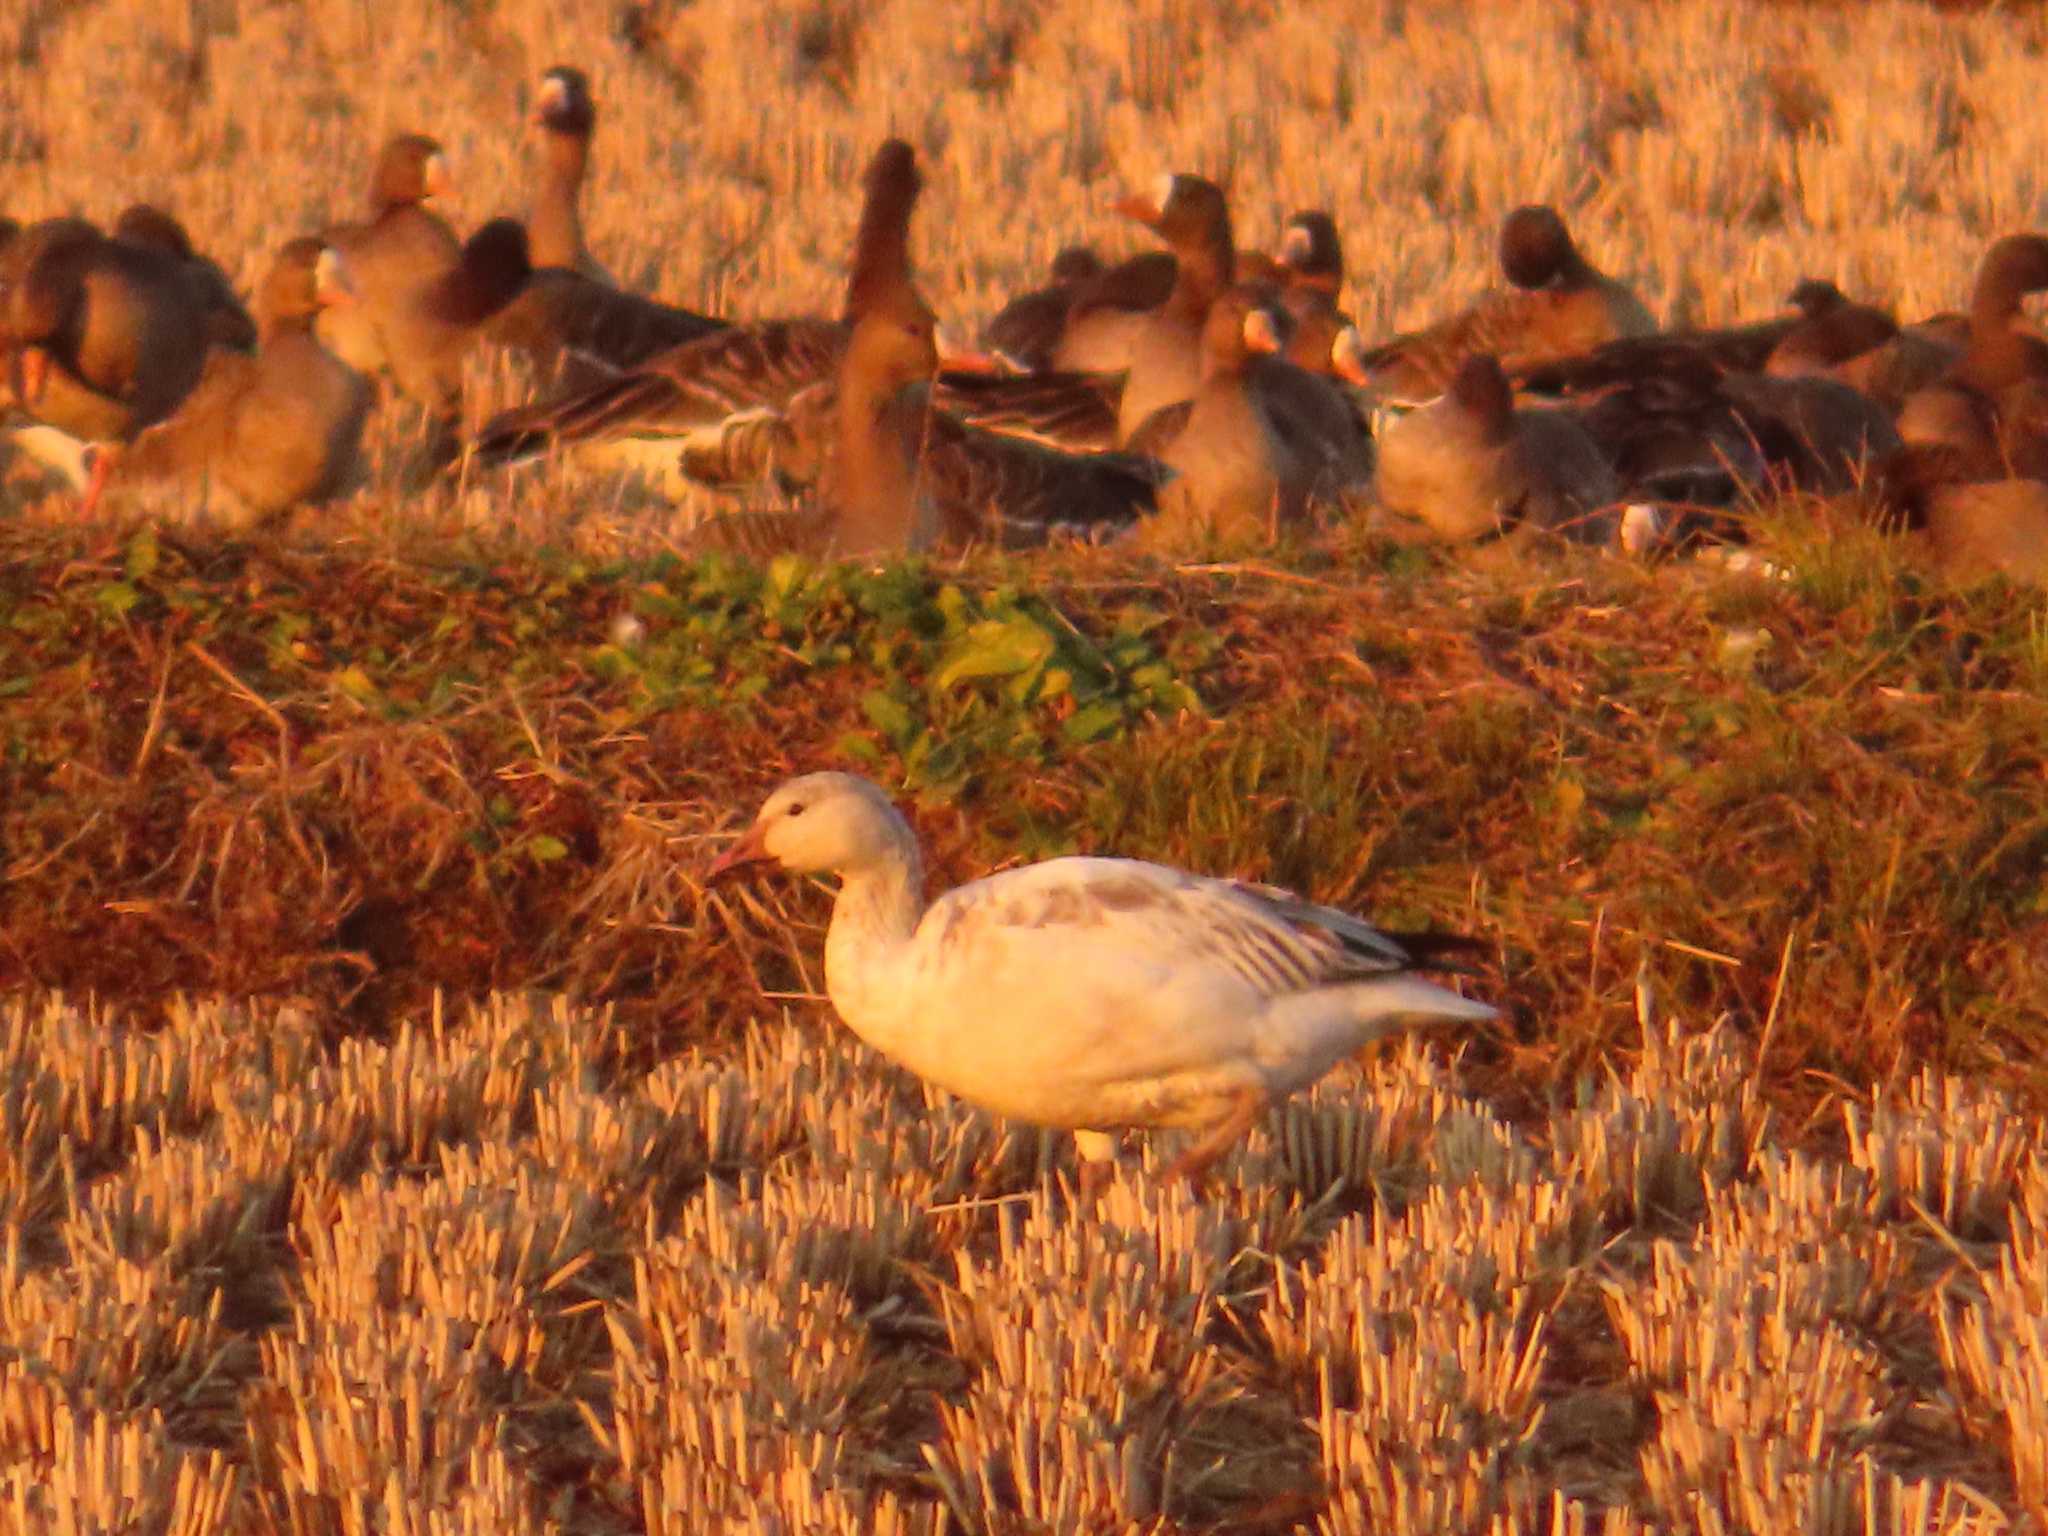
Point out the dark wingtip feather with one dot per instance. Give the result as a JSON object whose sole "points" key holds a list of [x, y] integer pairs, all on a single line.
{"points": [[1452, 952], [881, 252]]}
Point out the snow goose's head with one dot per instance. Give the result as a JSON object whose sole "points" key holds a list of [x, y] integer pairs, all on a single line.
{"points": [[823, 823]]}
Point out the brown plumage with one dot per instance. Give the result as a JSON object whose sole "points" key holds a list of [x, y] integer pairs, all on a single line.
{"points": [[1072, 411], [1312, 277], [1858, 345], [104, 337], [570, 305], [1026, 331], [402, 250], [1164, 359], [1470, 466], [1965, 505], [228, 324], [2001, 353], [262, 434], [1560, 306], [1254, 444]]}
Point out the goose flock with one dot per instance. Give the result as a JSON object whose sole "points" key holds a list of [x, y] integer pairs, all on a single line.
{"points": [[1193, 389]]}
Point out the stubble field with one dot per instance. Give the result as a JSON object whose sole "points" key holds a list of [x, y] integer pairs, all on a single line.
{"points": [[1736, 1223]]}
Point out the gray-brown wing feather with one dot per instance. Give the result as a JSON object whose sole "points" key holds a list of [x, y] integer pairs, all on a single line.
{"points": [[684, 393]]}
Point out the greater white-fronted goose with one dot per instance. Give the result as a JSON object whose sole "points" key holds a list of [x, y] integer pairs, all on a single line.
{"points": [[262, 434], [885, 470], [1260, 438], [1164, 361], [1744, 347], [1470, 466], [898, 474], [1560, 306], [570, 305], [427, 331], [104, 337], [228, 324], [1858, 345], [2002, 351], [393, 257], [1311, 260], [564, 118], [1972, 505]]}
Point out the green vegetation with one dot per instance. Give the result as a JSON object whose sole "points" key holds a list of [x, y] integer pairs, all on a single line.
{"points": [[359, 778]]}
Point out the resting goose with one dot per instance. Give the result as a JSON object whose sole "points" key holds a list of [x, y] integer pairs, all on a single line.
{"points": [[1470, 466], [571, 304], [1311, 276], [1261, 436], [259, 435], [1091, 994], [228, 324], [1560, 306], [894, 472], [762, 400], [1026, 331], [2001, 352], [105, 337], [401, 248], [1123, 324]]}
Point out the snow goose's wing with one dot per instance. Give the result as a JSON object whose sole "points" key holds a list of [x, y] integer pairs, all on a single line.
{"points": [[1254, 940]]}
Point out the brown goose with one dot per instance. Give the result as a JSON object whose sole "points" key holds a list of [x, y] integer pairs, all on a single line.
{"points": [[228, 324], [401, 250], [1560, 306], [262, 434], [1158, 347], [105, 337], [2001, 351], [1026, 332], [893, 473], [1975, 503], [570, 305], [1242, 462], [1744, 347], [1469, 466], [1858, 345], [1312, 276]]}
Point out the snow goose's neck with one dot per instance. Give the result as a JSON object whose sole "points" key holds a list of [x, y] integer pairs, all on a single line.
{"points": [[874, 921]]}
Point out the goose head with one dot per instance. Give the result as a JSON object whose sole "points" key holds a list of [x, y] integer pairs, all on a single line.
{"points": [[822, 823]]}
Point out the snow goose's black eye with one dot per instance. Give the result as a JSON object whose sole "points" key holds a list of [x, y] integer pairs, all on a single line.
{"points": [[795, 810]]}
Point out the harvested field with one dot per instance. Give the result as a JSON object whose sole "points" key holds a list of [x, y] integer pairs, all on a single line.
{"points": [[398, 1135]]}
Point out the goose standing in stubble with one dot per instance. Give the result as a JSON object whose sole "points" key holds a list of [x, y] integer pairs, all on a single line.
{"points": [[1092, 994]]}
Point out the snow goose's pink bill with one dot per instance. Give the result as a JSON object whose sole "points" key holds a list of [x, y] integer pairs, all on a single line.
{"points": [[1091, 994]]}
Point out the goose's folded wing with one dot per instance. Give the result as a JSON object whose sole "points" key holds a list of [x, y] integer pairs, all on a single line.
{"points": [[565, 311], [1075, 411], [685, 395], [1267, 941], [1026, 332], [991, 488]]}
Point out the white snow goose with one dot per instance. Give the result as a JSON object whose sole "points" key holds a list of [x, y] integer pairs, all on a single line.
{"points": [[1091, 994]]}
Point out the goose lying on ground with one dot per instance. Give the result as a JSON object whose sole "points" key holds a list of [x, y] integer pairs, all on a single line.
{"points": [[1091, 994]]}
